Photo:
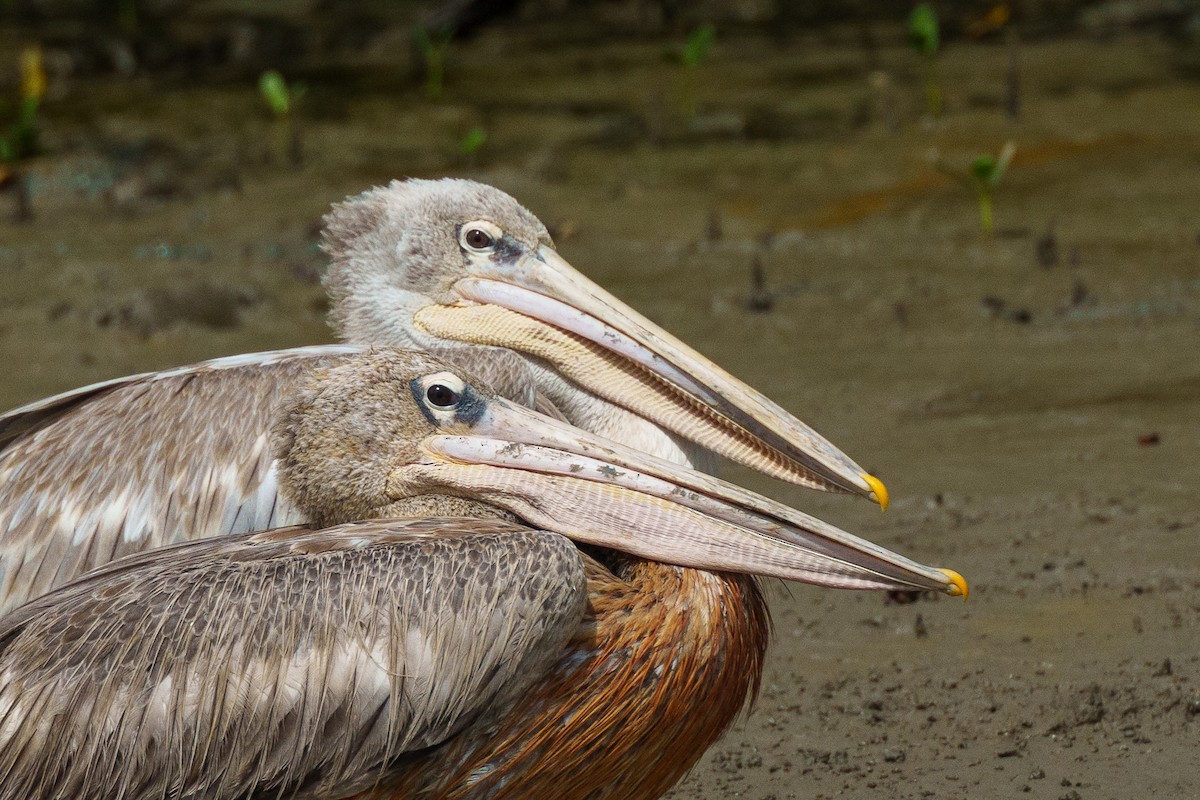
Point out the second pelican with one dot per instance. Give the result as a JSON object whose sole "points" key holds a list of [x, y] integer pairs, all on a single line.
{"points": [[448, 266], [401, 658]]}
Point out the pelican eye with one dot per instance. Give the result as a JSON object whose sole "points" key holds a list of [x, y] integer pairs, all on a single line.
{"points": [[441, 395], [478, 239]]}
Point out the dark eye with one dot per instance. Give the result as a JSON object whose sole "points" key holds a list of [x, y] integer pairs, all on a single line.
{"points": [[478, 239], [441, 395]]}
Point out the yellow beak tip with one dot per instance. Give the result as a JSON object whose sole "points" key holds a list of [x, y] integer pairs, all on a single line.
{"points": [[879, 492], [959, 588]]}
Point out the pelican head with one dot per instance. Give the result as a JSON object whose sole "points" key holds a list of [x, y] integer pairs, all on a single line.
{"points": [[394, 433], [453, 263]]}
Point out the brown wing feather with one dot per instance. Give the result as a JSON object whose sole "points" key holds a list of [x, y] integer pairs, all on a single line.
{"points": [[291, 663], [103, 471], [135, 463]]}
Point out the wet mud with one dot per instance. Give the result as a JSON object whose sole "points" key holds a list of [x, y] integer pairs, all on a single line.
{"points": [[1031, 399]]}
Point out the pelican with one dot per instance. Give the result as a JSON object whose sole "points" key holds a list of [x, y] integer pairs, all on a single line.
{"points": [[447, 266], [482, 655]]}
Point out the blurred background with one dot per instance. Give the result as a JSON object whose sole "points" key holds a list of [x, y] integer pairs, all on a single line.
{"points": [[961, 239]]}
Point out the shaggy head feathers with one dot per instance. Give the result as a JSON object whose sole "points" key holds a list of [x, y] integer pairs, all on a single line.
{"points": [[394, 248], [347, 431]]}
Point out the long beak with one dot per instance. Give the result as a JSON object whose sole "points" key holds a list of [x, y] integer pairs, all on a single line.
{"points": [[542, 306], [597, 492]]}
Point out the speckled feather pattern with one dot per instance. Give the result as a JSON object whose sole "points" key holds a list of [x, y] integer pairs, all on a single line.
{"points": [[144, 462], [657, 669], [152, 459], [292, 664]]}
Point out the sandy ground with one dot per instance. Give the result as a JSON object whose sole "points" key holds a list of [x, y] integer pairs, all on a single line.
{"points": [[1032, 400]]}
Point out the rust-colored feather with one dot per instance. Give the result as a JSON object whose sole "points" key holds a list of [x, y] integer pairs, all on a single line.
{"points": [[655, 675]]}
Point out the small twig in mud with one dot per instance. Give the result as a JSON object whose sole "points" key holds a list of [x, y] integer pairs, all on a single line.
{"points": [[1012, 83], [1080, 296], [24, 198], [761, 299], [656, 117], [883, 91], [712, 229], [1046, 248], [998, 308]]}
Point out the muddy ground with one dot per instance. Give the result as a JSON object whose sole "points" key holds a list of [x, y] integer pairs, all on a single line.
{"points": [[1032, 399]]}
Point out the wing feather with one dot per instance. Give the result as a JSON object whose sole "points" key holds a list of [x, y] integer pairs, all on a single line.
{"points": [[139, 462], [20, 420], [293, 663], [100, 472]]}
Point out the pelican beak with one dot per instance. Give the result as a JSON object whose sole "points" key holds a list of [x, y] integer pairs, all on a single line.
{"points": [[597, 492], [536, 303]]}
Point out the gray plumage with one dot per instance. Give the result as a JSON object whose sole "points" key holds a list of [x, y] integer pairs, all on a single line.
{"points": [[294, 663], [139, 462], [394, 249]]}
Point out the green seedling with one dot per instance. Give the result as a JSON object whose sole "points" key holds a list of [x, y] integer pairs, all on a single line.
{"points": [[20, 142], [433, 47], [925, 37], [282, 100], [472, 142], [983, 177], [695, 50], [697, 46]]}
